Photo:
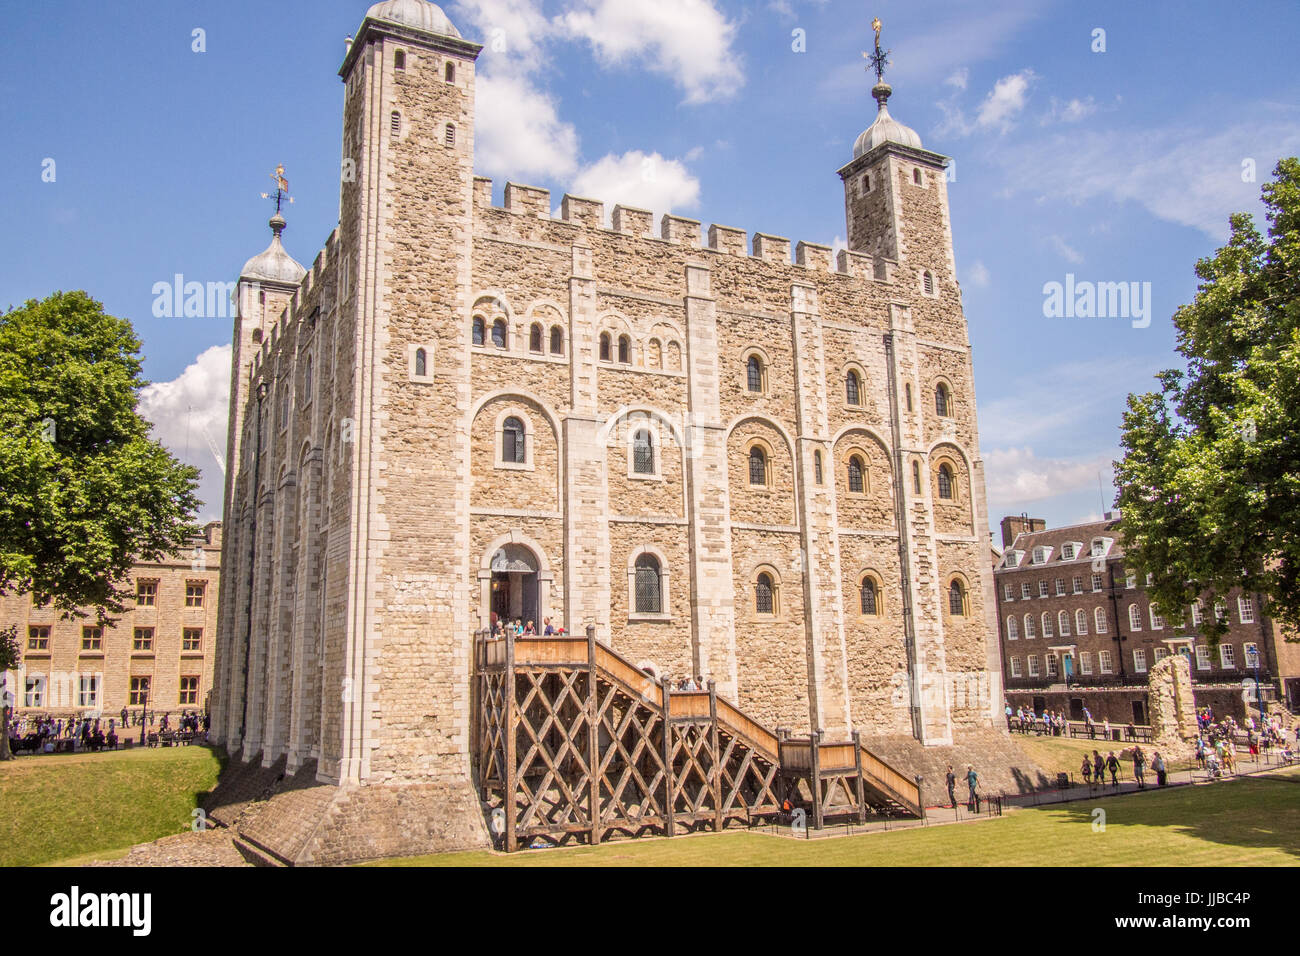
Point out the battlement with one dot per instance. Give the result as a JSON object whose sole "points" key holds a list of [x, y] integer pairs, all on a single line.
{"points": [[535, 202]]}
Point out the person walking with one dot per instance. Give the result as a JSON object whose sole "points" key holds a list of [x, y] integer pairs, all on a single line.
{"points": [[1112, 764], [1139, 767], [1086, 770], [1158, 765], [1098, 768], [952, 788], [972, 780]]}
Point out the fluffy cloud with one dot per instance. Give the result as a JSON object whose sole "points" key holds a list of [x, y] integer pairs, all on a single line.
{"points": [[518, 130], [978, 274], [689, 41], [189, 416], [1070, 111], [1016, 476], [647, 180], [1005, 102]]}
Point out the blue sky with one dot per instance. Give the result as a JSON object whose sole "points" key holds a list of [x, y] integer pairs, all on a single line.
{"points": [[1120, 165]]}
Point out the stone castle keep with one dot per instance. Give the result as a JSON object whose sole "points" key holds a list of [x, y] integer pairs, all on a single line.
{"points": [[733, 465]]}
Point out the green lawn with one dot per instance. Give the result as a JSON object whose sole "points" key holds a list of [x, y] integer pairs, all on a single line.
{"points": [[63, 806], [1244, 822]]}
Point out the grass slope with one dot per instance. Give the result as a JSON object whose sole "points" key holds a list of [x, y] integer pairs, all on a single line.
{"points": [[62, 806], [1244, 822]]}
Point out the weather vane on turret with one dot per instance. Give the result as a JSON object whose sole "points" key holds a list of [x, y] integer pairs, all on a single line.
{"points": [[281, 193], [880, 58]]}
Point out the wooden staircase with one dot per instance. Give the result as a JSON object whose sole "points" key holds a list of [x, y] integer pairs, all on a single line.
{"points": [[572, 743]]}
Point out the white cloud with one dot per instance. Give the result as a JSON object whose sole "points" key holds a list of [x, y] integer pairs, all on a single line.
{"points": [[512, 33], [635, 178], [690, 41], [1181, 174], [1069, 112], [1016, 476], [978, 274], [1005, 101], [189, 416], [959, 78], [1064, 249], [519, 132]]}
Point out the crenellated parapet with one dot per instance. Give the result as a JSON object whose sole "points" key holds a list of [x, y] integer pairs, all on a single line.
{"points": [[534, 203]]}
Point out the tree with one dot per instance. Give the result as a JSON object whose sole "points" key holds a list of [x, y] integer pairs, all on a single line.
{"points": [[11, 656], [86, 491], [1209, 485]]}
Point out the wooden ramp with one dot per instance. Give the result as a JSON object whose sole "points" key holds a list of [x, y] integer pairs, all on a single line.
{"points": [[572, 743]]}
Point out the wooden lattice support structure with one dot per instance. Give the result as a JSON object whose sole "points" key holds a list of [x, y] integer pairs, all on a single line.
{"points": [[574, 743]]}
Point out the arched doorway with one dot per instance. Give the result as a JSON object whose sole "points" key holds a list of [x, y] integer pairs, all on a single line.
{"points": [[515, 584]]}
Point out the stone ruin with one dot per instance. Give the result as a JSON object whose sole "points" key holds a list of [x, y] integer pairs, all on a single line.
{"points": [[1173, 710]]}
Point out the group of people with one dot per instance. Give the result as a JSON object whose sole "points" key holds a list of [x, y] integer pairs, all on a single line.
{"points": [[519, 628], [42, 733], [972, 783], [1094, 768], [1048, 723]]}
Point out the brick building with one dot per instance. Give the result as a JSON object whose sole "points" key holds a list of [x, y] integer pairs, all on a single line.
{"points": [[159, 649], [732, 464], [1078, 630]]}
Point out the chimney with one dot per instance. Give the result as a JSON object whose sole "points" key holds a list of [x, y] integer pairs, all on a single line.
{"points": [[1013, 525]]}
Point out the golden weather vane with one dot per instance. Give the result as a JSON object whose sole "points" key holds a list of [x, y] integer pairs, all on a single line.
{"points": [[281, 193], [880, 58]]}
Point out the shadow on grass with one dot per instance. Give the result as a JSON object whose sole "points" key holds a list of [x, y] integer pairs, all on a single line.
{"points": [[1246, 812]]}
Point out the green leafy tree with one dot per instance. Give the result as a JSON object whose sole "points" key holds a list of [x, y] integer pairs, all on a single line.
{"points": [[11, 656], [84, 491], [1210, 482]]}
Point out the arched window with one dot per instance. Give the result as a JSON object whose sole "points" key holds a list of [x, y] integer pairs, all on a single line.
{"points": [[395, 123], [655, 354], [1063, 623], [643, 453], [764, 595], [1099, 618], [916, 477], [757, 466], [557, 340], [945, 482], [1081, 623], [449, 135], [1013, 629], [817, 467], [604, 346], [916, 176], [499, 333], [1134, 618], [478, 330], [851, 388], [512, 441], [1047, 625], [421, 363], [1029, 627], [907, 389], [869, 597], [451, 73], [942, 401], [927, 281], [754, 373], [855, 474], [624, 349], [956, 599], [399, 60], [649, 597], [535, 337]]}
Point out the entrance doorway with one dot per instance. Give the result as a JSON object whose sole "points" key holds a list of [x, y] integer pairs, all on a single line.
{"points": [[515, 585], [1139, 713], [1076, 708]]}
